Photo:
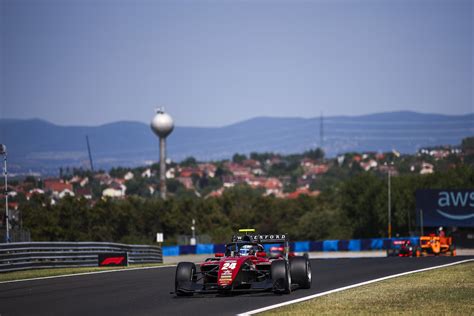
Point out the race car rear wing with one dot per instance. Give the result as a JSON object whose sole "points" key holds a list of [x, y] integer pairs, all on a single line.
{"points": [[251, 236], [262, 238]]}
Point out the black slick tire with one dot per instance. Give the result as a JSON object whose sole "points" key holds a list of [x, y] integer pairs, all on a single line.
{"points": [[281, 277], [185, 272], [300, 269]]}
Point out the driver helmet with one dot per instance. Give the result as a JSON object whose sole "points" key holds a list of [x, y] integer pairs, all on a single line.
{"points": [[246, 250], [440, 228]]}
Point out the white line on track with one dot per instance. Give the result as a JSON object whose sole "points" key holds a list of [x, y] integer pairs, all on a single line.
{"points": [[87, 273], [302, 299]]}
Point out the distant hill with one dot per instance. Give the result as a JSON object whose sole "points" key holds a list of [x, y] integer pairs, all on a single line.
{"points": [[39, 146]]}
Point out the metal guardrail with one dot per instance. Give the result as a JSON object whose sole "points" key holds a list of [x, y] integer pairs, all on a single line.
{"points": [[32, 255]]}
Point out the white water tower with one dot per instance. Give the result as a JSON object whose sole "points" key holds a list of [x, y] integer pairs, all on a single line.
{"points": [[162, 125]]}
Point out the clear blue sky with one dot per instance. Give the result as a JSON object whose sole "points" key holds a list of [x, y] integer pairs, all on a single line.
{"points": [[213, 63]]}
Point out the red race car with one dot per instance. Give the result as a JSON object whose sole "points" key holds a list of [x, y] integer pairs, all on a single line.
{"points": [[245, 267], [401, 248], [279, 252]]}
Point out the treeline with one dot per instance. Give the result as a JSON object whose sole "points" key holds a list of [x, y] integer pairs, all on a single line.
{"points": [[354, 208]]}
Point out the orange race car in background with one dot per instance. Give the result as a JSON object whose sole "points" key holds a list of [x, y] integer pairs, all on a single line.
{"points": [[435, 245]]}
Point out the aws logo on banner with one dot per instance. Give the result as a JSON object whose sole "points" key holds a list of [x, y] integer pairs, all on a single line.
{"points": [[450, 199]]}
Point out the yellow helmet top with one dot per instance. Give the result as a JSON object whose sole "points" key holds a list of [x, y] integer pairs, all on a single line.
{"points": [[247, 230]]}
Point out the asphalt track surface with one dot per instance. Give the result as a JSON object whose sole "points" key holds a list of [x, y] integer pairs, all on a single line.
{"points": [[147, 292]]}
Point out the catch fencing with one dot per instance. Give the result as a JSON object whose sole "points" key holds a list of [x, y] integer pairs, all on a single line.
{"points": [[16, 235], [33, 255]]}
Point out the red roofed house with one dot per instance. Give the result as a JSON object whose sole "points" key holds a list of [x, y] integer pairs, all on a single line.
{"points": [[32, 192], [188, 172], [239, 170], [301, 191], [12, 190], [187, 182], [367, 165], [85, 193], [215, 193], [257, 182], [318, 169], [252, 163], [208, 168], [307, 162], [103, 178], [273, 186], [58, 188], [115, 190]]}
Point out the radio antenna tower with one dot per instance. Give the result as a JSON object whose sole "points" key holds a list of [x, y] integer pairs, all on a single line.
{"points": [[321, 132], [90, 154]]}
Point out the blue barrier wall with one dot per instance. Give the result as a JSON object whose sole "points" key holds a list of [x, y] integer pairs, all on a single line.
{"points": [[376, 243], [298, 246], [204, 248], [219, 248], [330, 245], [171, 251], [315, 246], [301, 246], [354, 245]]}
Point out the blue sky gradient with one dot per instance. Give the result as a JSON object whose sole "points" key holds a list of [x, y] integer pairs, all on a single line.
{"points": [[214, 63]]}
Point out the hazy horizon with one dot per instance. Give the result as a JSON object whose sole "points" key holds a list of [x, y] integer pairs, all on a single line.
{"points": [[212, 64], [237, 122]]}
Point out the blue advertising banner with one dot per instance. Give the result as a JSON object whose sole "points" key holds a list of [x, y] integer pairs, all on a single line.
{"points": [[445, 207]]}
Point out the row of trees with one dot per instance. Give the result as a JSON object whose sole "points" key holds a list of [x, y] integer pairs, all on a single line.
{"points": [[354, 208]]}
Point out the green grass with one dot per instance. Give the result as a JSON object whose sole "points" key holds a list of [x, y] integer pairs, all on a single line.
{"points": [[445, 291], [38, 273]]}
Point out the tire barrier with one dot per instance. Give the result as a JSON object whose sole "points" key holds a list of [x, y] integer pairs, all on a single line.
{"points": [[298, 246], [33, 255]]}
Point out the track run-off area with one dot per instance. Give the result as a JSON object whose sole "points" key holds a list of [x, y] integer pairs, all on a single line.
{"points": [[147, 291]]}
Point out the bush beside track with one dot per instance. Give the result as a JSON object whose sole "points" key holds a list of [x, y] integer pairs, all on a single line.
{"points": [[446, 290]]}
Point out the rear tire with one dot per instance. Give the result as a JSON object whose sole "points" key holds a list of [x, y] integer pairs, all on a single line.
{"points": [[300, 269], [185, 272], [452, 250], [281, 277]]}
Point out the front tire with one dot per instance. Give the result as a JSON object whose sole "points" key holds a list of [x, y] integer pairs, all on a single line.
{"points": [[300, 269], [281, 277], [185, 273]]}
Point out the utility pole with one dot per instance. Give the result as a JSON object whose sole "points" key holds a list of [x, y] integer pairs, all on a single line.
{"points": [[421, 222], [409, 222], [389, 185], [389, 205], [3, 151], [193, 229]]}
